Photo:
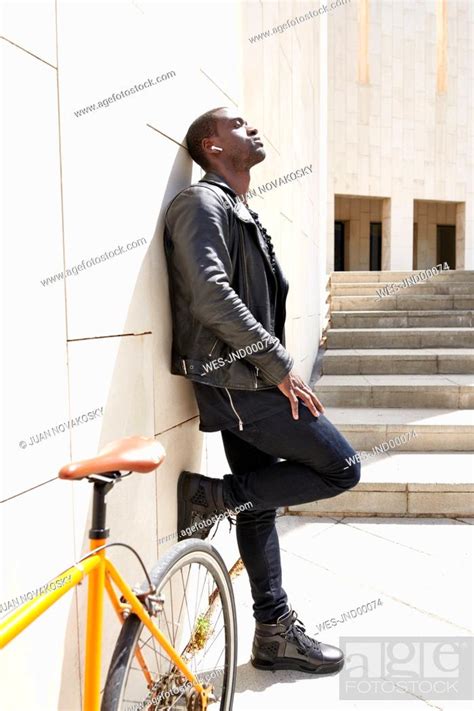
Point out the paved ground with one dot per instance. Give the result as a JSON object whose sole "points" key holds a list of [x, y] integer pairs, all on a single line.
{"points": [[419, 569]]}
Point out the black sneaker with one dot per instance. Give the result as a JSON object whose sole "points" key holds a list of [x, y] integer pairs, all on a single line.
{"points": [[285, 645], [200, 505]]}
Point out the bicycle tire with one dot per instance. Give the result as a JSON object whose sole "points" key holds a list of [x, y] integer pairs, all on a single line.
{"points": [[187, 551]]}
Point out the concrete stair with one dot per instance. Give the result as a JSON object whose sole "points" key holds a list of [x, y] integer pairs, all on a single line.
{"points": [[389, 277], [384, 361], [403, 302], [434, 391], [445, 288], [408, 337], [437, 430], [398, 381], [436, 487], [403, 319]]}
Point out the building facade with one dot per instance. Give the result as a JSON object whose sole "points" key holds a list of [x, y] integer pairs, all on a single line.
{"points": [[366, 114], [400, 126]]}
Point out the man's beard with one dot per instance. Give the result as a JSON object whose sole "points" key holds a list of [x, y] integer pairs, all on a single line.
{"points": [[255, 158]]}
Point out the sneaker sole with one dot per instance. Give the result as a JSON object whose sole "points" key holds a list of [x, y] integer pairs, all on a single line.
{"points": [[294, 665]]}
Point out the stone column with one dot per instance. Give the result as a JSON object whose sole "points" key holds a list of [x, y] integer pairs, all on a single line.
{"points": [[397, 233]]}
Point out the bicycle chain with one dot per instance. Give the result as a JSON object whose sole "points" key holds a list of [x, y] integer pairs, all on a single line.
{"points": [[192, 697]]}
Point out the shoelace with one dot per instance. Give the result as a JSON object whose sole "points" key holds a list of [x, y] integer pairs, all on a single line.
{"points": [[297, 633], [232, 522]]}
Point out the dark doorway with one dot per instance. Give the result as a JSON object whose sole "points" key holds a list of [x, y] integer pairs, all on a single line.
{"points": [[446, 245], [375, 246], [338, 246], [415, 246]]}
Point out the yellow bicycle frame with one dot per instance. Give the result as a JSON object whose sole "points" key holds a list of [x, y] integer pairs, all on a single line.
{"points": [[101, 572]]}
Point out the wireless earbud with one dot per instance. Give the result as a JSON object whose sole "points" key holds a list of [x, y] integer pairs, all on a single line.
{"points": [[216, 148]]}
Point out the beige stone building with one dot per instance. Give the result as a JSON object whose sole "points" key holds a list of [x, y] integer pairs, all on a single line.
{"points": [[400, 164], [372, 97]]}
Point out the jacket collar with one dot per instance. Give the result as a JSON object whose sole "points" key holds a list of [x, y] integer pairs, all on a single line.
{"points": [[211, 177]]}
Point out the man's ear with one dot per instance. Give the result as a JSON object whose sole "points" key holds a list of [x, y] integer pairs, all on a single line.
{"points": [[211, 145]]}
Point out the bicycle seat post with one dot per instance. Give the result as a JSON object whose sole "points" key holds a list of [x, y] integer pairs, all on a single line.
{"points": [[98, 534], [102, 487]]}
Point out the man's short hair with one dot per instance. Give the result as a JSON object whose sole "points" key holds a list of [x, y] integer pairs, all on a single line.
{"points": [[202, 127]]}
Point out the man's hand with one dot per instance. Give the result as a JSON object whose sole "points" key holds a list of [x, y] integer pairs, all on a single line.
{"points": [[294, 387]]}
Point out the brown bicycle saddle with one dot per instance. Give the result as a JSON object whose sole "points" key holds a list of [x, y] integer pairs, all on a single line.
{"points": [[136, 454]]}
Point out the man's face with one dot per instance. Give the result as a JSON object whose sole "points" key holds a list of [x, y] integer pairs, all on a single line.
{"points": [[241, 144]]}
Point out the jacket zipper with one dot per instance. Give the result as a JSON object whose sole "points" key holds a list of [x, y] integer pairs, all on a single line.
{"points": [[215, 344], [263, 250], [247, 289], [241, 425], [277, 296], [244, 270]]}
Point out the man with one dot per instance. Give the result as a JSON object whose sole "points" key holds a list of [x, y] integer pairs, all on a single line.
{"points": [[228, 295]]}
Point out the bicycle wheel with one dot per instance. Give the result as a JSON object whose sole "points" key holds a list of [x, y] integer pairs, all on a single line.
{"points": [[198, 617]]}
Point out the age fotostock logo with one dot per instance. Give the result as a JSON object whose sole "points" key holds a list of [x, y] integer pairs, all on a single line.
{"points": [[403, 668]]}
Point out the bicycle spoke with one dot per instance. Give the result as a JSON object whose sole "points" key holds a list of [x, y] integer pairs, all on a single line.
{"points": [[191, 627], [171, 633], [195, 620], [182, 601], [153, 649], [172, 612], [185, 599], [210, 646], [197, 585]]}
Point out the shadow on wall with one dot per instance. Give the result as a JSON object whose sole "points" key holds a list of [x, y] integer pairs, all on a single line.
{"points": [[141, 390]]}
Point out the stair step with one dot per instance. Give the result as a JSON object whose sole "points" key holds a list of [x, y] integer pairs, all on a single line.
{"points": [[400, 338], [389, 276], [398, 375], [374, 361], [390, 391], [402, 319], [380, 290], [437, 429], [406, 483], [402, 302]]}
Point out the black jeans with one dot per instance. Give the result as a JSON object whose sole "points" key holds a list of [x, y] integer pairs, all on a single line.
{"points": [[315, 468]]}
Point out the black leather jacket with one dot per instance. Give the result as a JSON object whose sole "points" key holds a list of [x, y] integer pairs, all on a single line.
{"points": [[222, 308]]}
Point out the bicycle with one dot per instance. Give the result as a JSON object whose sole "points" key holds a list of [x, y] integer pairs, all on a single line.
{"points": [[136, 680]]}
